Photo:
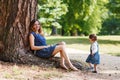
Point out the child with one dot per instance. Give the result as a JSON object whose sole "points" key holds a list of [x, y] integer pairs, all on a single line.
{"points": [[93, 57]]}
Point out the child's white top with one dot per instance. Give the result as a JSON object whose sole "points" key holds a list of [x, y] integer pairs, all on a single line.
{"points": [[94, 47]]}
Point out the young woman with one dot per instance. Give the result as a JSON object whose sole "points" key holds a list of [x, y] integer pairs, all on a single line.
{"points": [[38, 43], [93, 57]]}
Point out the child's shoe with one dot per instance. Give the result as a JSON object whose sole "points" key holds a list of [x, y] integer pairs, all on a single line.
{"points": [[90, 69], [94, 71]]}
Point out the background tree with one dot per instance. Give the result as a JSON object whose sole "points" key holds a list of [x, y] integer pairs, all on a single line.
{"points": [[92, 19], [83, 17], [111, 24], [50, 12], [72, 20]]}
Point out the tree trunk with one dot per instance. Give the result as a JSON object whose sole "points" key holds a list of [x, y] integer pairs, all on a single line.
{"points": [[15, 16], [54, 30]]}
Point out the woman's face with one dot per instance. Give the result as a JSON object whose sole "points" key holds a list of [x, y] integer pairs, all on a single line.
{"points": [[36, 26]]}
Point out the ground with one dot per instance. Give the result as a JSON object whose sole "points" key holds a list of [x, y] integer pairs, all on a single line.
{"points": [[109, 69]]}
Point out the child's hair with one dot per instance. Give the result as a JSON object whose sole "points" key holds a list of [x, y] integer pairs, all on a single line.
{"points": [[93, 37]]}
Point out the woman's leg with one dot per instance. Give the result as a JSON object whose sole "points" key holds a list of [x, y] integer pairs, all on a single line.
{"points": [[62, 63], [61, 49], [64, 54]]}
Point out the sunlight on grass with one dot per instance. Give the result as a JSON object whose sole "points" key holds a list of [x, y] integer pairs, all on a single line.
{"points": [[51, 74], [16, 70], [34, 67], [7, 76], [113, 38], [32, 72], [107, 44]]}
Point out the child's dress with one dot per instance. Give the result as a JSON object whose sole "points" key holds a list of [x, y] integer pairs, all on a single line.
{"points": [[95, 58]]}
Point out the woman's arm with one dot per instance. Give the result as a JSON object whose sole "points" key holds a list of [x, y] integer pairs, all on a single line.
{"points": [[32, 46]]}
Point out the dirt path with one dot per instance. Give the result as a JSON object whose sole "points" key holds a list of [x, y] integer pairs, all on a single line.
{"points": [[109, 68]]}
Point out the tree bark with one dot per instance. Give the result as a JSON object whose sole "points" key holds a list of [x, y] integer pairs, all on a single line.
{"points": [[15, 16]]}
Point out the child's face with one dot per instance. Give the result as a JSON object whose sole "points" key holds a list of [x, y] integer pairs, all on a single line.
{"points": [[90, 40]]}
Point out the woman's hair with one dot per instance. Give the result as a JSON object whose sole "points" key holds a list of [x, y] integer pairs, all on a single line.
{"points": [[93, 37], [32, 23]]}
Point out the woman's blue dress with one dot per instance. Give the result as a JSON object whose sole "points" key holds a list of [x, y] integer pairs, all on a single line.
{"points": [[41, 41]]}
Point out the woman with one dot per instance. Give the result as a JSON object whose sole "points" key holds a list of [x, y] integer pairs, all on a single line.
{"points": [[38, 43]]}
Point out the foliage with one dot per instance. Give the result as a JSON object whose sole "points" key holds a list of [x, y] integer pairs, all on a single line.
{"points": [[111, 25], [71, 21], [92, 22], [83, 17], [50, 11]]}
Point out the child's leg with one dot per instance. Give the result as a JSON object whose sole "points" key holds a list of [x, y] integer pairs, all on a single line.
{"points": [[90, 65], [95, 67]]}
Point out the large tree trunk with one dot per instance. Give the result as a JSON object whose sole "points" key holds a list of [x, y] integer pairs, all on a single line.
{"points": [[15, 16]]}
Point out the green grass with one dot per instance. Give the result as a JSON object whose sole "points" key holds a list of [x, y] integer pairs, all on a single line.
{"points": [[107, 44]]}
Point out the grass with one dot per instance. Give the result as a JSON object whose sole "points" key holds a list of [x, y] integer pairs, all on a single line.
{"points": [[107, 44], [23, 72]]}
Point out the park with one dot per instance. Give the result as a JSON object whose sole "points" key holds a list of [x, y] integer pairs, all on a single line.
{"points": [[70, 21]]}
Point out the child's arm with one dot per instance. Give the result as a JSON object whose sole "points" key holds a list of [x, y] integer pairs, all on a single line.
{"points": [[94, 48]]}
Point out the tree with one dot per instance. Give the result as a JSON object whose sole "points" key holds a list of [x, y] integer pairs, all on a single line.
{"points": [[50, 12], [83, 17], [111, 25], [72, 20], [15, 16]]}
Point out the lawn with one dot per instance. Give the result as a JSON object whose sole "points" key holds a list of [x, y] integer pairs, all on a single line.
{"points": [[107, 44]]}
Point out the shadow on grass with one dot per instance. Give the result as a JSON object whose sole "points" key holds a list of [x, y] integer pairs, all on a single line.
{"points": [[80, 41]]}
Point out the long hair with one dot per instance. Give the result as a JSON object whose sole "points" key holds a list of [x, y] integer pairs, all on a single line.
{"points": [[32, 24]]}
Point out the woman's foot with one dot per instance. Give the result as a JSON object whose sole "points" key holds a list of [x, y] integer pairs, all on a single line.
{"points": [[63, 66], [73, 68]]}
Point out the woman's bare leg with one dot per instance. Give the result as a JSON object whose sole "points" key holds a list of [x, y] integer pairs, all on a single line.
{"points": [[68, 60], [64, 55], [62, 62]]}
